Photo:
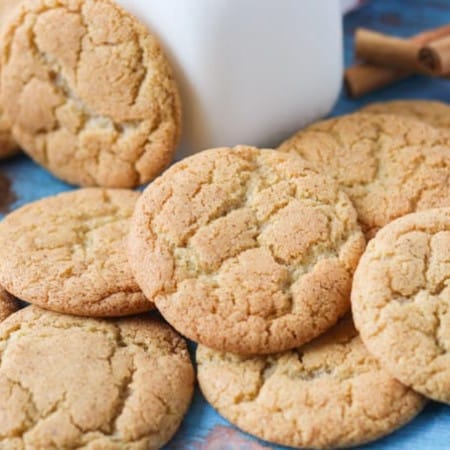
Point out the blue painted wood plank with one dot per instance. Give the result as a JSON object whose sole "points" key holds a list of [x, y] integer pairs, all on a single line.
{"points": [[203, 428]]}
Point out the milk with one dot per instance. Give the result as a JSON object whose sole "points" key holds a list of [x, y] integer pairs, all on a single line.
{"points": [[250, 71]]}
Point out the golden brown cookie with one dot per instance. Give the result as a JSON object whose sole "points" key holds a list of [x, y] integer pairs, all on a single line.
{"points": [[8, 304], [246, 250], [8, 146], [432, 112], [329, 393], [388, 165], [96, 105], [401, 301], [70, 382], [67, 254]]}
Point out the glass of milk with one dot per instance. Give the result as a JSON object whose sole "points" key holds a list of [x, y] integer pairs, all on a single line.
{"points": [[250, 71]]}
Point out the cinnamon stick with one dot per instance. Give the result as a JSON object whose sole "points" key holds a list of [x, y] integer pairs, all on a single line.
{"points": [[388, 51], [361, 79]]}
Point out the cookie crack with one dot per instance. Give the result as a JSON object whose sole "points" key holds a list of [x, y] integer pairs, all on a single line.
{"points": [[125, 392], [30, 411], [137, 89]]}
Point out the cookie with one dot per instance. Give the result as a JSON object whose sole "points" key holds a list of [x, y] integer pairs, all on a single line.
{"points": [[401, 301], [67, 253], [8, 305], [8, 145], [245, 250], [97, 105], [432, 112], [70, 382], [388, 165], [329, 393]]}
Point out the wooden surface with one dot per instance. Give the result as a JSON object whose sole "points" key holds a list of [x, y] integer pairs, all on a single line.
{"points": [[21, 181]]}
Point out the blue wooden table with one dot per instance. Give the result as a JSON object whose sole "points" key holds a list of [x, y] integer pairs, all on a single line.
{"points": [[22, 181]]}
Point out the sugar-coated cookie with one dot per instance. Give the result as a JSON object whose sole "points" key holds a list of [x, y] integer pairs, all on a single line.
{"points": [[89, 92], [401, 301], [71, 382], [246, 250], [8, 145], [388, 165], [329, 393], [67, 253]]}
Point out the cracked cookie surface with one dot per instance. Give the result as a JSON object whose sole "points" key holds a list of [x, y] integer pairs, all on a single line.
{"points": [[388, 165], [67, 253], [96, 105], [78, 383], [8, 145], [246, 250], [329, 393], [8, 304], [401, 301], [432, 112]]}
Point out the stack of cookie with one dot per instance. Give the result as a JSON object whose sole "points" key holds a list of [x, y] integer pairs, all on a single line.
{"points": [[251, 253], [257, 255], [83, 382], [334, 391], [86, 92]]}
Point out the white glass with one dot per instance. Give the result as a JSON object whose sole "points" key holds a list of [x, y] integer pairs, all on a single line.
{"points": [[250, 71]]}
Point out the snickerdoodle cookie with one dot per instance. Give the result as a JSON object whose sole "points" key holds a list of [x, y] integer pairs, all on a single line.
{"points": [[388, 165], [8, 145], [8, 304], [89, 92], [433, 112], [401, 301], [67, 253], [70, 382], [329, 393], [246, 250]]}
